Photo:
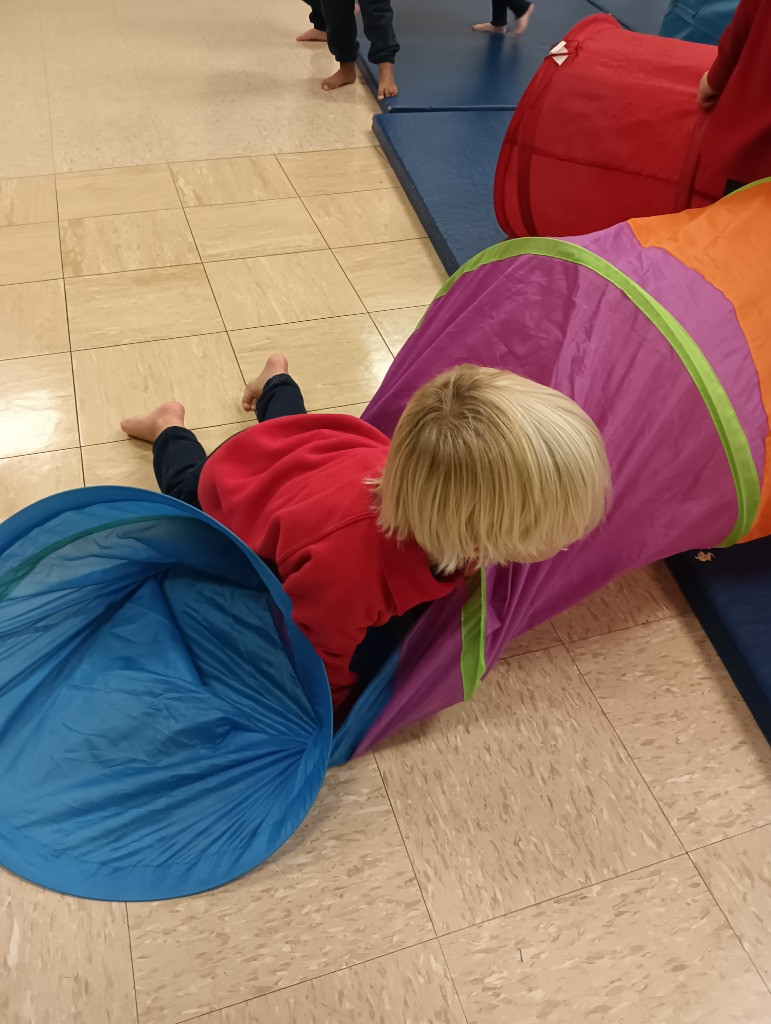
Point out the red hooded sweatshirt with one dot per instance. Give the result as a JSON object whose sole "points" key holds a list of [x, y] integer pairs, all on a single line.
{"points": [[294, 490], [738, 137]]}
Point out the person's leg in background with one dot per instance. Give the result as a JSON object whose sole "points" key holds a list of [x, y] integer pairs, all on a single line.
{"points": [[521, 9], [498, 21], [378, 19], [341, 40], [318, 33]]}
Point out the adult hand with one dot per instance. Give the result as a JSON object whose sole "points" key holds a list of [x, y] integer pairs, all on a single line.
{"points": [[706, 96]]}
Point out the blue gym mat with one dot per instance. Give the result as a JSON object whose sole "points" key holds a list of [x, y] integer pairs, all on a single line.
{"points": [[731, 596], [443, 65], [639, 15], [700, 21], [450, 181]]}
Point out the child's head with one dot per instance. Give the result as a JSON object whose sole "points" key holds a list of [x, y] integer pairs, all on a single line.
{"points": [[488, 468]]}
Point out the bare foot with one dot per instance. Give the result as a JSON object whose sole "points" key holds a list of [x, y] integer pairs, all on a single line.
{"points": [[386, 85], [345, 75], [486, 26], [151, 426], [312, 35], [274, 366], [524, 21]]}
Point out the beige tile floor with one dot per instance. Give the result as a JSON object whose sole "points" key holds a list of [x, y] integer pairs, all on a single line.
{"points": [[589, 839]]}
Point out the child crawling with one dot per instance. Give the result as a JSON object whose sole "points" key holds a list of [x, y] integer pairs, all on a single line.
{"points": [[485, 467]]}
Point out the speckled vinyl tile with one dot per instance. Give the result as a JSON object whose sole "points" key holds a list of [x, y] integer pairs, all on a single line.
{"points": [[682, 720], [645, 595], [649, 947], [519, 795], [341, 892], [409, 987], [63, 959], [738, 873]]}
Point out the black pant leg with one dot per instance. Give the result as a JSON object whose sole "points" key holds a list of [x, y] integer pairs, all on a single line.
{"points": [[500, 15], [733, 186], [378, 19], [518, 7], [178, 458], [341, 30], [281, 396], [316, 17]]}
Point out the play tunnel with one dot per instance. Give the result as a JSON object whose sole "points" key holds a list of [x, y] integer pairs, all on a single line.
{"points": [[607, 130], [164, 726]]}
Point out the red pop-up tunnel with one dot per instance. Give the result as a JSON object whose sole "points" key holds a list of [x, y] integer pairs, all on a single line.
{"points": [[609, 129]]}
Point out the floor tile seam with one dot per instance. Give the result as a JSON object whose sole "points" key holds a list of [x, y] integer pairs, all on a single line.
{"points": [[219, 330], [28, 223], [729, 838], [173, 163], [355, 245], [415, 875], [280, 989], [45, 451], [131, 961], [134, 270], [67, 319], [627, 752], [727, 920], [667, 617], [452, 932]]}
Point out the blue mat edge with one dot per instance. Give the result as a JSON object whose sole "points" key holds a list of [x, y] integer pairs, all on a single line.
{"points": [[439, 242], [721, 638], [367, 73]]}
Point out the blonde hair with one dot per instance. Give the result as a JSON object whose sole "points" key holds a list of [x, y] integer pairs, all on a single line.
{"points": [[489, 468]]}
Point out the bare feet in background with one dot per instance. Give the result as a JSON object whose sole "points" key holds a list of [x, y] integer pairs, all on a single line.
{"points": [[524, 21], [345, 75], [313, 35], [500, 30], [386, 84]]}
